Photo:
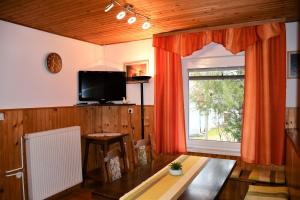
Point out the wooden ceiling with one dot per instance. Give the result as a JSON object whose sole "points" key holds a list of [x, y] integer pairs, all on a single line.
{"points": [[86, 20]]}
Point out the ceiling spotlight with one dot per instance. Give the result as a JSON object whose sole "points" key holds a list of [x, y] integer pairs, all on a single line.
{"points": [[121, 15], [109, 7], [131, 20], [125, 9], [146, 25]]}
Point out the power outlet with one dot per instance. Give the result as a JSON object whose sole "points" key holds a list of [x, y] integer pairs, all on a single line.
{"points": [[1, 116], [130, 110]]}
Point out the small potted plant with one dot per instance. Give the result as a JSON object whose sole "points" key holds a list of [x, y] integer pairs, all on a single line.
{"points": [[175, 169]]}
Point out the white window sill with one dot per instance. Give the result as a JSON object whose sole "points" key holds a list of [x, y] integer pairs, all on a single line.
{"points": [[214, 147]]}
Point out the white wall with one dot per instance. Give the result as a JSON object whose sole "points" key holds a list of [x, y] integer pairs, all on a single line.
{"points": [[292, 44], [118, 54], [25, 82], [24, 79]]}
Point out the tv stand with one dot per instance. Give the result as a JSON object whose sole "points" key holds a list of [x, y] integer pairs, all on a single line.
{"points": [[104, 104]]}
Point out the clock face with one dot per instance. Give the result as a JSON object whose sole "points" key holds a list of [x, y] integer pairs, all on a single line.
{"points": [[54, 63]]}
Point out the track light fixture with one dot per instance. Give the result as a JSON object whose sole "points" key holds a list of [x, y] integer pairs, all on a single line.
{"points": [[121, 15], [128, 8], [131, 20], [109, 7], [146, 25]]}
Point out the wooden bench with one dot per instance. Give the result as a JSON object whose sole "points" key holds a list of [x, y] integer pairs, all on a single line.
{"points": [[292, 191], [267, 192]]}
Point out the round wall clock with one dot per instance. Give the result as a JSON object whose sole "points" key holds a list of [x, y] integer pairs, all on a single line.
{"points": [[54, 63]]}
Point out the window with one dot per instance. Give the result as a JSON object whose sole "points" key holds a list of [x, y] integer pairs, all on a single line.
{"points": [[215, 107]]}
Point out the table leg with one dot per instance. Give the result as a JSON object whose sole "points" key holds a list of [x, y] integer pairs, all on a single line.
{"points": [[85, 161], [123, 152], [105, 149]]}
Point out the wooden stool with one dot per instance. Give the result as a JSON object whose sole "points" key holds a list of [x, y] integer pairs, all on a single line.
{"points": [[104, 140]]}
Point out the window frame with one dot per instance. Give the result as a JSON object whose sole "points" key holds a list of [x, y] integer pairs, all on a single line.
{"points": [[210, 146]]}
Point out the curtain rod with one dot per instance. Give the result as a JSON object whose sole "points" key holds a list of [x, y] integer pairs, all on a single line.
{"points": [[209, 57], [194, 30]]}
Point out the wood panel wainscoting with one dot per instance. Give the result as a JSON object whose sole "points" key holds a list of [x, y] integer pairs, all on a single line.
{"points": [[91, 119], [293, 163], [292, 119], [11, 129]]}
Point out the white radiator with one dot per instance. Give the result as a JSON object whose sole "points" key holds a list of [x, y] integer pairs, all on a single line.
{"points": [[53, 161]]}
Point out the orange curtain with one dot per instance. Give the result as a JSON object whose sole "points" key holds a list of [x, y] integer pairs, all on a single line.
{"points": [[265, 60], [264, 101], [169, 109]]}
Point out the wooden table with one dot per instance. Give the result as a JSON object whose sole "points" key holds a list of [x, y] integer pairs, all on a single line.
{"points": [[104, 142], [206, 185]]}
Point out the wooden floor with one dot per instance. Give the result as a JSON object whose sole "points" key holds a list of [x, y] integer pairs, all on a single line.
{"points": [[76, 194]]}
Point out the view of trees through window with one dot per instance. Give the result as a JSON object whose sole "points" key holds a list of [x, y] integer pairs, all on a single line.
{"points": [[216, 103]]}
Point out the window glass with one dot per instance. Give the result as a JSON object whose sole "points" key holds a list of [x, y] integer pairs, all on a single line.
{"points": [[216, 103]]}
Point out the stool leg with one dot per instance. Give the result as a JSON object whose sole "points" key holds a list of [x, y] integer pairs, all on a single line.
{"points": [[124, 153], [85, 161], [105, 148]]}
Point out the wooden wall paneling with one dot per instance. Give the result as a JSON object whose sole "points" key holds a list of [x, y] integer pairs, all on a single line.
{"points": [[11, 130], [292, 119], [137, 122], [29, 119], [98, 119], [66, 117], [125, 119], [286, 123], [87, 120], [148, 120], [42, 119], [111, 116], [293, 165]]}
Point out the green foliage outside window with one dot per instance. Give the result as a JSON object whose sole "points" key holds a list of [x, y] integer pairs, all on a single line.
{"points": [[224, 98]]}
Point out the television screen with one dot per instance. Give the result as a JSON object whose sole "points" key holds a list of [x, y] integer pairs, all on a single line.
{"points": [[102, 86]]}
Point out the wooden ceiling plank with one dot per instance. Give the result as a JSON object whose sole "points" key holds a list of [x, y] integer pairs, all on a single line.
{"points": [[86, 20]]}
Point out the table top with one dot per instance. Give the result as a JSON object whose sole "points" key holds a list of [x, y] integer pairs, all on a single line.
{"points": [[206, 185], [210, 180], [104, 136]]}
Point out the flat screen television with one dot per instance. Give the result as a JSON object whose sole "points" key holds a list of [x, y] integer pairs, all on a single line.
{"points": [[102, 86]]}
